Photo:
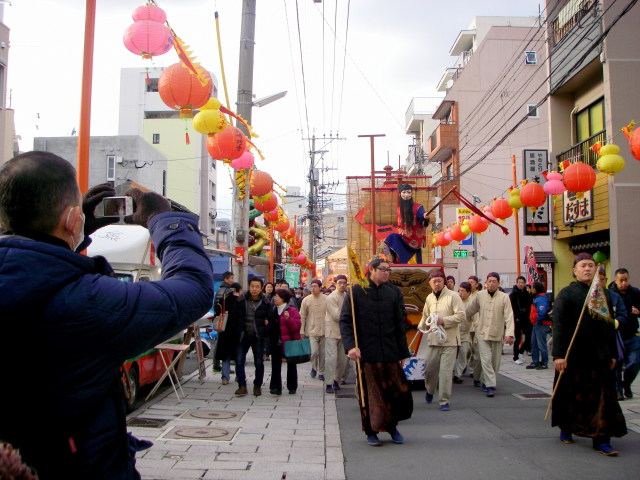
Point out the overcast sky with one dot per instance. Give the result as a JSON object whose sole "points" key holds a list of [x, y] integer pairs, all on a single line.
{"points": [[396, 50]]}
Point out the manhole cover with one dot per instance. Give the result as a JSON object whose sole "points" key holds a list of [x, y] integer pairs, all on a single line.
{"points": [[201, 433], [532, 396], [214, 414], [147, 422]]}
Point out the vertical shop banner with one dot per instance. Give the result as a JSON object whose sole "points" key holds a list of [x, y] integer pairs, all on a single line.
{"points": [[292, 275], [536, 162], [532, 268], [463, 214]]}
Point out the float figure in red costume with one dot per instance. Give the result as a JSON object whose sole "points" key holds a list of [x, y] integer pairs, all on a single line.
{"points": [[412, 222]]}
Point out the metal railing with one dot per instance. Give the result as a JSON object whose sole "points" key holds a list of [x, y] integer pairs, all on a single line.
{"points": [[569, 17], [582, 152]]}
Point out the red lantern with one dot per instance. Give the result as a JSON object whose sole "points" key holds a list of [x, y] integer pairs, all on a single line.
{"points": [[182, 91], [282, 225], [268, 205], [500, 208], [271, 216], [633, 136], [579, 178], [441, 240], [229, 144], [300, 259], [477, 225], [457, 234], [260, 183], [297, 242], [532, 195]]}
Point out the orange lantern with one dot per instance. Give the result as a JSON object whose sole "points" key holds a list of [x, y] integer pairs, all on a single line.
{"points": [[477, 225], [282, 225], [297, 242], [268, 205], [633, 136], [182, 91], [457, 234], [532, 195], [501, 209], [229, 144], [289, 234], [271, 216], [441, 240], [579, 178], [260, 183]]}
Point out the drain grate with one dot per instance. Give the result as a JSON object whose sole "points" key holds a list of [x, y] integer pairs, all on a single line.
{"points": [[201, 433], [147, 422], [214, 414], [532, 396]]}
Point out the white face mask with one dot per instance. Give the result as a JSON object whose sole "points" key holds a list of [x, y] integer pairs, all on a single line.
{"points": [[76, 243]]}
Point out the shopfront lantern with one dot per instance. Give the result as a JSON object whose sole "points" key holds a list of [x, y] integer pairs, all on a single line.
{"points": [[501, 209], [554, 184], [260, 183], [532, 195], [579, 178], [182, 91], [476, 225], [441, 240], [610, 162], [229, 144], [457, 234], [514, 199]]}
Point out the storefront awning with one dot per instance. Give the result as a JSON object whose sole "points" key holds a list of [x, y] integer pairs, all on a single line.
{"points": [[543, 257], [581, 247]]}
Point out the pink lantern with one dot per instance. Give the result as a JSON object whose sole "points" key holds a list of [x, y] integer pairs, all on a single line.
{"points": [[447, 237], [554, 185], [147, 38], [149, 12], [244, 161], [300, 259], [487, 211]]}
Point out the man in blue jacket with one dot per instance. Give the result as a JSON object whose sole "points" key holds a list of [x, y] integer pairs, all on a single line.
{"points": [[67, 324]]}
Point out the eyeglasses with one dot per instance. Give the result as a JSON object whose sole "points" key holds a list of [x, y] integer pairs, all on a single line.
{"points": [[384, 269]]}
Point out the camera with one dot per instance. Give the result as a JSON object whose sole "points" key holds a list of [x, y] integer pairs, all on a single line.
{"points": [[115, 207]]}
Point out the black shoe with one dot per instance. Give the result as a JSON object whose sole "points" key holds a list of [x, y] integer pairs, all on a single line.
{"points": [[627, 392], [275, 391], [476, 383], [292, 392], [457, 380], [531, 366], [621, 397], [542, 366]]}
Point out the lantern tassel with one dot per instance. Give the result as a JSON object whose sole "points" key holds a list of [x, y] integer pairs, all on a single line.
{"points": [[147, 79], [187, 140]]}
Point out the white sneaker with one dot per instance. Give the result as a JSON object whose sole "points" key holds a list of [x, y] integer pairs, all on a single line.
{"points": [[518, 362]]}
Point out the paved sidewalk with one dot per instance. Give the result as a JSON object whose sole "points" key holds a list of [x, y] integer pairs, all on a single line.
{"points": [[212, 434], [268, 437]]}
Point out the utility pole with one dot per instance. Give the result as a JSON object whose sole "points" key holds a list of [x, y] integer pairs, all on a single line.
{"points": [[373, 193], [244, 104]]}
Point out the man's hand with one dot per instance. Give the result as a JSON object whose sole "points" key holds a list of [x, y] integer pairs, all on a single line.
{"points": [[440, 320], [145, 206], [561, 364], [354, 354], [90, 201], [635, 310], [508, 340], [612, 364]]}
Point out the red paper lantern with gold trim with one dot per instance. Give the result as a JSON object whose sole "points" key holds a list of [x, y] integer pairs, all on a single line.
{"points": [[260, 183], [579, 178], [282, 225], [271, 216], [268, 205], [300, 259], [457, 234], [229, 144], [477, 225], [441, 240], [532, 195], [182, 91], [501, 209]]}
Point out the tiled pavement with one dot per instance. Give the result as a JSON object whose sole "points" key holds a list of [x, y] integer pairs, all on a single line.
{"points": [[270, 437]]}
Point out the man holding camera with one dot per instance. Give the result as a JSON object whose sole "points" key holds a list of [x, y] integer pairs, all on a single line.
{"points": [[65, 410]]}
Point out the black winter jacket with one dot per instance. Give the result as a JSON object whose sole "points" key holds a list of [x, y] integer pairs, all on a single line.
{"points": [[379, 323], [261, 314], [521, 304], [631, 298]]}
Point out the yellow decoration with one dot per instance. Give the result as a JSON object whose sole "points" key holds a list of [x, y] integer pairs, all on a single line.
{"points": [[209, 121], [609, 149], [212, 104], [610, 164], [514, 199], [241, 181], [465, 228]]}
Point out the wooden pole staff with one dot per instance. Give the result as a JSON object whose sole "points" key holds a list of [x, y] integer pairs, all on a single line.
{"points": [[355, 337], [566, 355]]}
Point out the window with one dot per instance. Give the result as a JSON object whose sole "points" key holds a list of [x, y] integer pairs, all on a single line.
{"points": [[449, 172], [532, 111], [111, 168], [590, 121], [152, 85], [156, 138], [530, 58]]}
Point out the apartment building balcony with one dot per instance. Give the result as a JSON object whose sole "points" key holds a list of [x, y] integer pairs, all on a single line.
{"points": [[581, 152], [420, 110], [443, 141]]}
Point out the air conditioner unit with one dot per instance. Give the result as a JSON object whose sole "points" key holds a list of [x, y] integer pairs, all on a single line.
{"points": [[119, 160]]}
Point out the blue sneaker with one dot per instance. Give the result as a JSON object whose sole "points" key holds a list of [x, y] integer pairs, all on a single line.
{"points": [[336, 386], [373, 440], [445, 407], [313, 373], [566, 437], [484, 388], [606, 449], [329, 389], [428, 397], [321, 378], [396, 436], [490, 391]]}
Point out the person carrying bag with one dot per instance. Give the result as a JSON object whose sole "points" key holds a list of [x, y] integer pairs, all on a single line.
{"points": [[283, 326]]}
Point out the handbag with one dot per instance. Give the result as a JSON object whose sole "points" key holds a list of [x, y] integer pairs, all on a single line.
{"points": [[220, 321], [298, 351]]}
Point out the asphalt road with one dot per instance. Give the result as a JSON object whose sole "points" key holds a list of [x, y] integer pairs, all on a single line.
{"points": [[480, 438]]}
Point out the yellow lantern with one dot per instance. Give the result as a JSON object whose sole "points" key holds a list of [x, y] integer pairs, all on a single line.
{"points": [[610, 162], [465, 227], [514, 199], [209, 121]]}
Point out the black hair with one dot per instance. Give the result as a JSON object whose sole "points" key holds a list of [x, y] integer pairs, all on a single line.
{"points": [[451, 277], [538, 287], [466, 286], [621, 271], [284, 294], [521, 278], [257, 279], [35, 189], [272, 286], [226, 275], [236, 286], [406, 211]]}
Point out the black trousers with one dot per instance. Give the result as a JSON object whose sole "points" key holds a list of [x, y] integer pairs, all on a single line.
{"points": [[521, 328], [276, 371]]}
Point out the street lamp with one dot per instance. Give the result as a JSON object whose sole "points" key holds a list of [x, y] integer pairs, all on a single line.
{"points": [[261, 102]]}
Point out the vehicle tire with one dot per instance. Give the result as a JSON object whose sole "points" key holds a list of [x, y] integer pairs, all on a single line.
{"points": [[133, 388]]}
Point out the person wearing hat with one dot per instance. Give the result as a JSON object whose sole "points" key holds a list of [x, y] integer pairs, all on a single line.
{"points": [[336, 362], [441, 356], [412, 222], [313, 311], [493, 328], [585, 402]]}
